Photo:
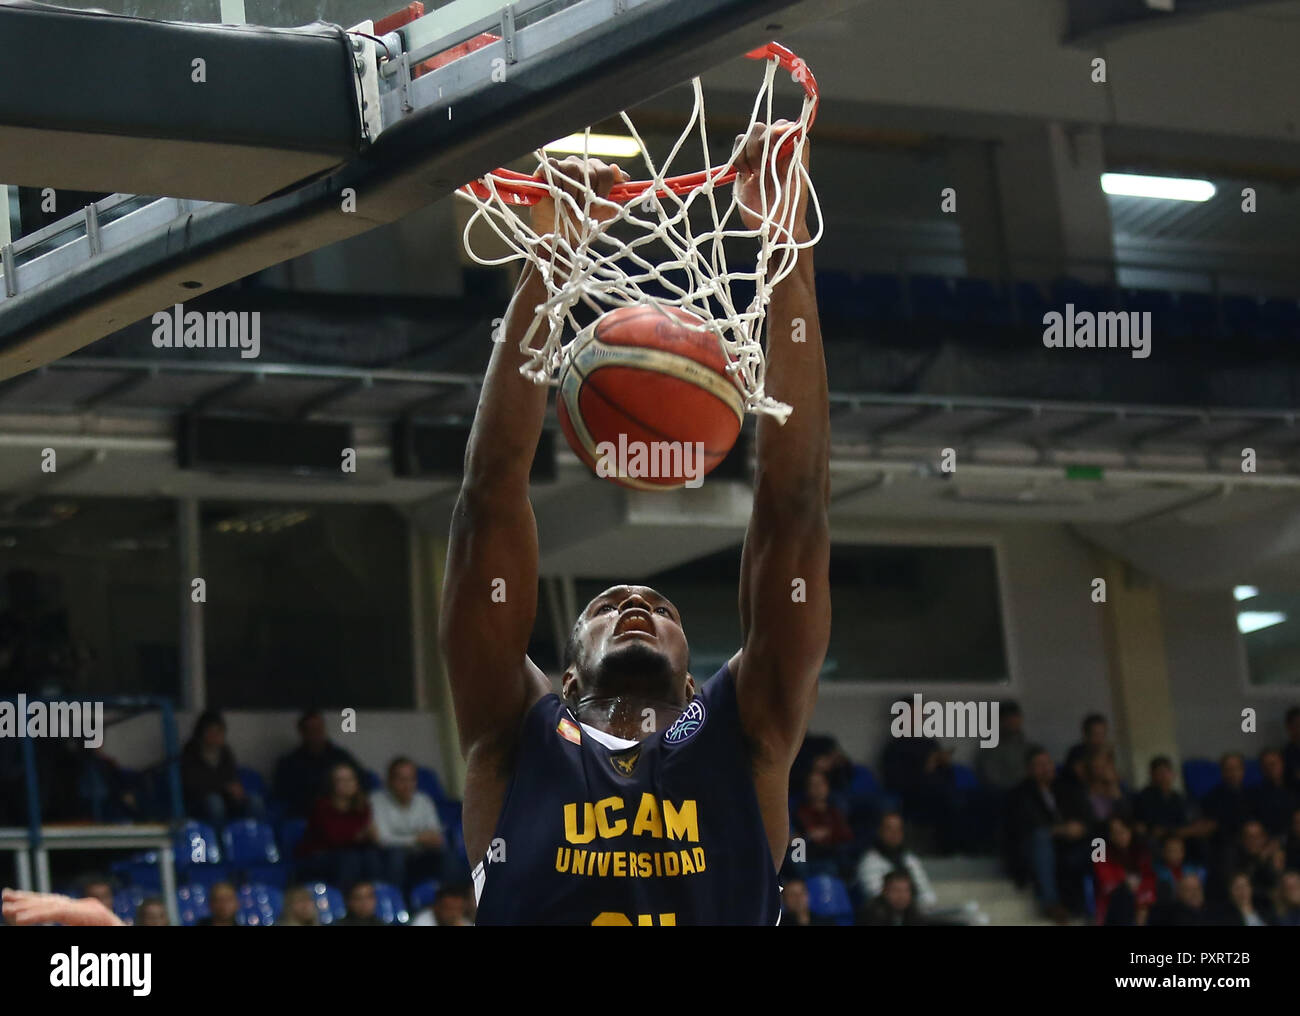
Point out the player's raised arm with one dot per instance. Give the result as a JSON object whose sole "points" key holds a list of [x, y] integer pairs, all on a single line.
{"points": [[784, 587], [490, 588]]}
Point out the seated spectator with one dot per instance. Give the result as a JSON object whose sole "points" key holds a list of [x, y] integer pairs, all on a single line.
{"points": [[823, 753], [210, 779], [300, 909], [1096, 737], [97, 887], [301, 775], [1003, 765], [449, 909], [1125, 883], [1160, 811], [1291, 753], [919, 771], [1171, 867], [888, 853], [1288, 900], [1187, 910], [338, 845], [823, 825], [1241, 910], [1226, 805], [796, 910], [1106, 799], [895, 906], [361, 907], [1272, 802], [1261, 859], [407, 828], [223, 907], [1048, 839], [151, 913]]}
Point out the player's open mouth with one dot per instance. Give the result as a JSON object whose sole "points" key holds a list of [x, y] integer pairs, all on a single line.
{"points": [[637, 623]]}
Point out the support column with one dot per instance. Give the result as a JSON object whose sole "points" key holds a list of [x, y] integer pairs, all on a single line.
{"points": [[1139, 673], [194, 682], [1054, 215]]}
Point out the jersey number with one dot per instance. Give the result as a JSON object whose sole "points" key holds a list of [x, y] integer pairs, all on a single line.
{"points": [[609, 919]]}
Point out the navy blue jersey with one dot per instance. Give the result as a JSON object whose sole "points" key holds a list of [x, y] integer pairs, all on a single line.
{"points": [[598, 830]]}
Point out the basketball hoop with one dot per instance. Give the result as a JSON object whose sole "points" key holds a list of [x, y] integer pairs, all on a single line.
{"points": [[592, 265]]}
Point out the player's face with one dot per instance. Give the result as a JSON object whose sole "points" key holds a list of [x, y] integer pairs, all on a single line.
{"points": [[631, 642]]}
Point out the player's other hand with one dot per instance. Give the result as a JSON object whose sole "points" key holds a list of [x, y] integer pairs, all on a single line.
{"points": [[21, 907], [575, 176], [757, 196]]}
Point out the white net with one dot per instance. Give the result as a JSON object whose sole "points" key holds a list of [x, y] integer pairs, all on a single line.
{"points": [[665, 244]]}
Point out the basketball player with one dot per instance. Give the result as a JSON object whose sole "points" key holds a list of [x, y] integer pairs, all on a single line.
{"points": [[638, 795]]}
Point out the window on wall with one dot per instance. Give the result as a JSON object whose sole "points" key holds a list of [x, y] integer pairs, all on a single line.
{"points": [[1268, 618], [900, 614], [306, 605], [90, 597]]}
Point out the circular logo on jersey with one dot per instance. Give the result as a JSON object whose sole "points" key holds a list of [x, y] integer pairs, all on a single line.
{"points": [[686, 725]]}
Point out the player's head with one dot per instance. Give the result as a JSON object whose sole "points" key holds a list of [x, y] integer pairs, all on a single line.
{"points": [[628, 641]]}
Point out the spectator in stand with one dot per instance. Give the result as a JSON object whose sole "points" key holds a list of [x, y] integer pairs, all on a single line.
{"points": [[1291, 753], [98, 887], [449, 909], [1272, 802], [301, 775], [1241, 909], [1106, 798], [919, 771], [1227, 809], [823, 825], [822, 752], [796, 910], [210, 778], [1126, 884], [408, 828], [1293, 842], [1261, 858], [1172, 867], [339, 843], [361, 907], [300, 909], [223, 907], [1048, 839], [1096, 736], [1160, 811], [1288, 900], [1002, 767], [1187, 910], [895, 906], [151, 913], [888, 853]]}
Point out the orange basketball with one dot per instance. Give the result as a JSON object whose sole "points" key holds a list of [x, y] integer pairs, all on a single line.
{"points": [[647, 402]]}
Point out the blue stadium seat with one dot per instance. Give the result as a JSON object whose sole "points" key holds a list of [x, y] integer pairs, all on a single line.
{"points": [[291, 831], [192, 902], [882, 296], [1200, 776], [260, 904], [1028, 304], [196, 843], [426, 780], [252, 782], [963, 777], [829, 897], [329, 902], [863, 782], [1241, 315], [1279, 321], [370, 781], [139, 870], [249, 841], [1090, 895], [422, 894], [276, 875], [207, 874], [1254, 774], [127, 901], [981, 302], [1196, 316], [389, 905], [933, 298]]}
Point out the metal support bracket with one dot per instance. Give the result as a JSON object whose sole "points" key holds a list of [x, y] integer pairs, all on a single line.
{"points": [[7, 263], [508, 32], [92, 230]]}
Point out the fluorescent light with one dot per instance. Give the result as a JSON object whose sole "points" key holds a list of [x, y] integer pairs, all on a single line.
{"points": [[603, 145], [1167, 187], [1253, 620], [1240, 593]]}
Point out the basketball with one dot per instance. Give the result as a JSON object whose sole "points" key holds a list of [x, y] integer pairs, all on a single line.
{"points": [[646, 400]]}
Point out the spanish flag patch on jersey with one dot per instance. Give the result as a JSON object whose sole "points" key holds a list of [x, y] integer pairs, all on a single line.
{"points": [[569, 731]]}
